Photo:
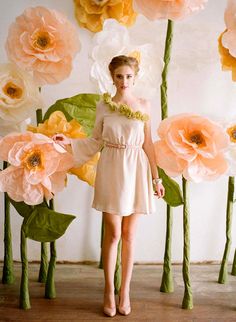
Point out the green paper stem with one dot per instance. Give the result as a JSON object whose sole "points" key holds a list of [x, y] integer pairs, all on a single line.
{"points": [[43, 264], [229, 213], [102, 236], [117, 277], [7, 274], [50, 290], [167, 53], [187, 300], [44, 255], [167, 285], [24, 289], [233, 272]]}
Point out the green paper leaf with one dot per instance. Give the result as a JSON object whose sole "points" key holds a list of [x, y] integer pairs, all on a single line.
{"points": [[173, 194], [46, 225], [81, 107], [22, 208]]}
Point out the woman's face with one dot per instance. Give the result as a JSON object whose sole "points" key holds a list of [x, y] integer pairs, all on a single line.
{"points": [[123, 78]]}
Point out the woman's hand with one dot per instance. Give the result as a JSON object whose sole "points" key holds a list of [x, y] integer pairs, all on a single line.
{"points": [[159, 190]]}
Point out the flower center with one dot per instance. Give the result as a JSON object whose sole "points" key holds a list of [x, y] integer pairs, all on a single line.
{"points": [[232, 133], [197, 138], [12, 90], [33, 160], [42, 40]]}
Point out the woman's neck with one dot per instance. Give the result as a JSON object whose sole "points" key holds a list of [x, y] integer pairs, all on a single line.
{"points": [[123, 97]]}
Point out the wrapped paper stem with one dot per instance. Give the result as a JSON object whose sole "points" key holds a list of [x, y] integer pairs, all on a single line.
{"points": [[50, 290], [102, 236], [24, 288], [7, 274], [229, 212], [44, 255], [117, 277], [233, 272], [167, 285], [187, 300]]}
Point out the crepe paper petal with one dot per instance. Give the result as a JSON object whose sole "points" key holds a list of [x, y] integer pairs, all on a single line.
{"points": [[91, 14], [43, 42], [223, 274], [173, 9], [7, 272], [187, 302]]}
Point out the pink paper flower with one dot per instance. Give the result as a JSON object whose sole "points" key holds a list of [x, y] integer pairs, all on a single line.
{"points": [[38, 167], [193, 146], [168, 9], [45, 42]]}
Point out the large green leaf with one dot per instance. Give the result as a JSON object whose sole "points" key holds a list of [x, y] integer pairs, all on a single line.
{"points": [[173, 194], [81, 107], [46, 225], [22, 208]]}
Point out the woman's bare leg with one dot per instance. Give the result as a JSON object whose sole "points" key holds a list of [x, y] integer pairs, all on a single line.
{"points": [[109, 253], [129, 225]]}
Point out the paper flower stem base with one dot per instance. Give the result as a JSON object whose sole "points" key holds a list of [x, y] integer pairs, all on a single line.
{"points": [[24, 288], [233, 272], [167, 284], [117, 277], [43, 264], [7, 274], [187, 300], [50, 290], [102, 236], [229, 212]]}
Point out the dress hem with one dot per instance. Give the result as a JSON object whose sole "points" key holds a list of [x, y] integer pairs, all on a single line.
{"points": [[122, 214]]}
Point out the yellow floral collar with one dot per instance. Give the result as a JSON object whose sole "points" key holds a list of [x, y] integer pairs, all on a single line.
{"points": [[124, 109]]}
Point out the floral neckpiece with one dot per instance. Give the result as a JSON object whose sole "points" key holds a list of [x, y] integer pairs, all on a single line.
{"points": [[124, 109]]}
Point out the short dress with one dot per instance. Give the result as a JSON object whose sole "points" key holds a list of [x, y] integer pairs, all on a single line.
{"points": [[123, 183]]}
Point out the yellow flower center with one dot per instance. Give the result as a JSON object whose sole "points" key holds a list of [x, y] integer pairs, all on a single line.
{"points": [[33, 160], [12, 90], [232, 133], [196, 137], [42, 40]]}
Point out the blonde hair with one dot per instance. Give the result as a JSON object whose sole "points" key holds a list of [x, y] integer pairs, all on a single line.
{"points": [[123, 60]]}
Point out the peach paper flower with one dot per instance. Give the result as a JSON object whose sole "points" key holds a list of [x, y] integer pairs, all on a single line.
{"points": [[38, 167], [92, 13], [57, 123], [193, 146], [45, 42], [168, 9]]}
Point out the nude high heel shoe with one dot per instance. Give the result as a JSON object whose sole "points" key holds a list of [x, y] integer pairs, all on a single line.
{"points": [[109, 311], [124, 310]]}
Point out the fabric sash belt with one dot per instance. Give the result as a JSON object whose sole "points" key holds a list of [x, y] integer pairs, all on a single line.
{"points": [[121, 146]]}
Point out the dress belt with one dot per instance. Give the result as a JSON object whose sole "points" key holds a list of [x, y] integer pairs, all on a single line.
{"points": [[121, 146]]}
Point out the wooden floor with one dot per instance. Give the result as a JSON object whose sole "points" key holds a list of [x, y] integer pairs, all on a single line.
{"points": [[80, 292]]}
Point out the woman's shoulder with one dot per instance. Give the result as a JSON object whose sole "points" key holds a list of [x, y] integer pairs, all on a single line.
{"points": [[145, 104]]}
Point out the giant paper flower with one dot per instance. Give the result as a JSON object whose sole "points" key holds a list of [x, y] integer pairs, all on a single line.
{"points": [[57, 123], [19, 95], [149, 76], [38, 167], [227, 40], [231, 151], [92, 13], [193, 146], [45, 42], [168, 9]]}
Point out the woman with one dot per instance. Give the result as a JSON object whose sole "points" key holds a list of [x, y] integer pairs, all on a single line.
{"points": [[126, 174]]}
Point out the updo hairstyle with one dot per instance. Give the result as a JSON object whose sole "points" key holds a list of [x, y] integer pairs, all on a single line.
{"points": [[123, 60]]}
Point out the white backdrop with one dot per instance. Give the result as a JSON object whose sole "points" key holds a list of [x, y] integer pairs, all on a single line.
{"points": [[196, 84]]}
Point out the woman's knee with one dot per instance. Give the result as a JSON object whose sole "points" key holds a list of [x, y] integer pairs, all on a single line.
{"points": [[127, 235]]}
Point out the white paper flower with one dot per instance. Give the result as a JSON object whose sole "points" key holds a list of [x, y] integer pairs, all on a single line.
{"points": [[115, 40], [19, 96]]}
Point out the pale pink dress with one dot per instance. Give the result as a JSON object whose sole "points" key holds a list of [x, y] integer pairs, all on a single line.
{"points": [[123, 184]]}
